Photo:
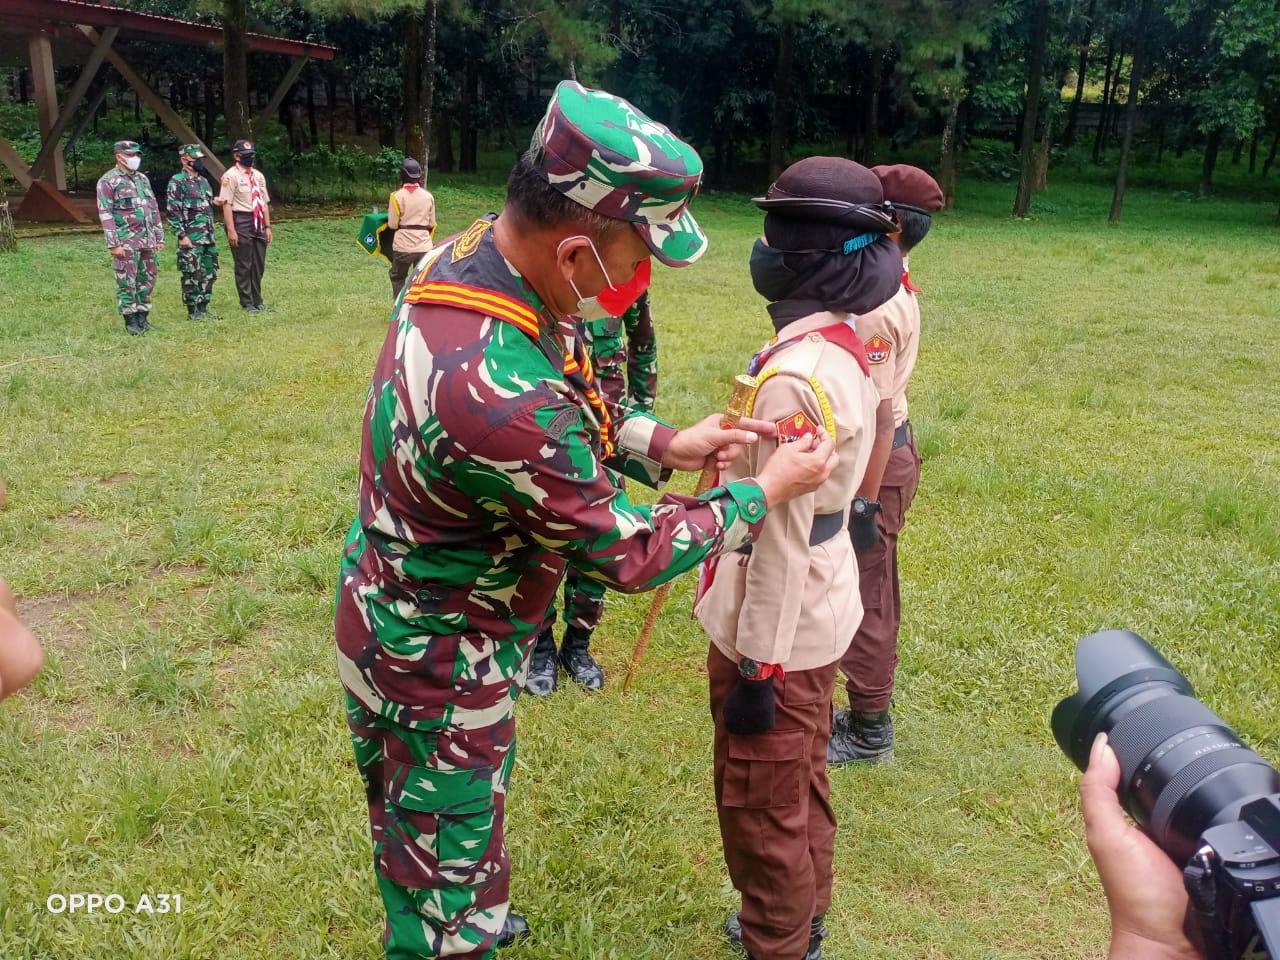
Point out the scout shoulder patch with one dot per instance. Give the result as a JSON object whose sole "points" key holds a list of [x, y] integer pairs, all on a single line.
{"points": [[469, 242], [226, 181], [561, 422], [878, 349], [795, 427]]}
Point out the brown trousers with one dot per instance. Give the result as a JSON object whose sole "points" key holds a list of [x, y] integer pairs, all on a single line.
{"points": [[401, 264], [872, 658], [773, 801]]}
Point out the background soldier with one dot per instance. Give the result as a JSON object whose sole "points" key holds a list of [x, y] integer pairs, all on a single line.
{"points": [[189, 208], [624, 352], [246, 213], [482, 475], [411, 213], [131, 220], [864, 733], [781, 612]]}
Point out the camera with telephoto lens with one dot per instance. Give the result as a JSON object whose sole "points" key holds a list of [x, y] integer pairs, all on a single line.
{"points": [[1207, 800]]}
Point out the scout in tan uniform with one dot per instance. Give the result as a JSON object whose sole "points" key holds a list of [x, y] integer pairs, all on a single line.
{"points": [[411, 213], [246, 212], [781, 612], [864, 733]]}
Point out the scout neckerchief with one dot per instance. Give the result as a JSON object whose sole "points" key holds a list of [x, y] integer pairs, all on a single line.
{"points": [[540, 328], [255, 199], [906, 282], [841, 334]]}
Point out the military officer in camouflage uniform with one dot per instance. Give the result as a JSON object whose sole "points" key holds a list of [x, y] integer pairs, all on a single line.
{"points": [[189, 207], [482, 475], [624, 353], [131, 220]]}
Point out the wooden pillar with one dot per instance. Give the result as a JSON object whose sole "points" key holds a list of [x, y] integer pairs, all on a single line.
{"points": [[41, 51], [51, 139]]}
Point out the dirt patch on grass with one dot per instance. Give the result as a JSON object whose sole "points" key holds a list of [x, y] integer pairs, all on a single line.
{"points": [[53, 620]]}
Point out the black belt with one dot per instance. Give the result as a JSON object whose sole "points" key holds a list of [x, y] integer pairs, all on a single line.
{"points": [[902, 434], [824, 527], [411, 226]]}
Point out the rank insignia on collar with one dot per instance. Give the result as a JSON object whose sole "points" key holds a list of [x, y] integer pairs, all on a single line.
{"points": [[795, 427], [878, 349], [469, 242]]}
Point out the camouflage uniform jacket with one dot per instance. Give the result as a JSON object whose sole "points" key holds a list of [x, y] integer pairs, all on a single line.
{"points": [[626, 369], [188, 206], [481, 476], [128, 211]]}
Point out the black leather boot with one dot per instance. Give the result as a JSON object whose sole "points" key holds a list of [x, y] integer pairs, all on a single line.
{"points": [[817, 933], [542, 666], [577, 659], [514, 929], [858, 737], [133, 324]]}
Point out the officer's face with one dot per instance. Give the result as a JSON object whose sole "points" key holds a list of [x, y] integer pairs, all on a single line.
{"points": [[622, 253]]}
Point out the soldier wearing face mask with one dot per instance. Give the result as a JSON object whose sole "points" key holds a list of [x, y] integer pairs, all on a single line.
{"points": [[189, 209], [246, 213], [130, 218]]}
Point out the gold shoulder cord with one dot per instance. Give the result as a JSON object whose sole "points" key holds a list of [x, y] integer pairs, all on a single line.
{"points": [[828, 418]]}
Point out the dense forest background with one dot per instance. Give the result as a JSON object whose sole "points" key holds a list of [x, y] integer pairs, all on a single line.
{"points": [[1001, 89]]}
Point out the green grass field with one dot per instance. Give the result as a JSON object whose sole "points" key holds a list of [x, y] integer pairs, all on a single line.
{"points": [[1098, 412]]}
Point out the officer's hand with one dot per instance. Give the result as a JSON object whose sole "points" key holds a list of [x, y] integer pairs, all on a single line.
{"points": [[750, 707], [159, 246], [117, 252], [20, 653], [691, 448], [797, 468], [233, 238], [185, 243], [1144, 889]]}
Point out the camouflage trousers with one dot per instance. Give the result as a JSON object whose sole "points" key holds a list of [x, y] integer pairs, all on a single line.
{"points": [[135, 279], [583, 601], [198, 266], [436, 804]]}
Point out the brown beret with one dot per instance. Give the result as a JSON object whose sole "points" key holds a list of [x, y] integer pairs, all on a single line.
{"points": [[909, 187]]}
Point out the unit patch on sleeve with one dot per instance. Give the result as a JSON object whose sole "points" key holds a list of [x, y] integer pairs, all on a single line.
{"points": [[878, 349], [795, 427]]}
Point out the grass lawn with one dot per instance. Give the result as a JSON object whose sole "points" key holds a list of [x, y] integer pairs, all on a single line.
{"points": [[1098, 412]]}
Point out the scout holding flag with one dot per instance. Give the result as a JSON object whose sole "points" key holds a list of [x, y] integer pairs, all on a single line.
{"points": [[781, 610]]}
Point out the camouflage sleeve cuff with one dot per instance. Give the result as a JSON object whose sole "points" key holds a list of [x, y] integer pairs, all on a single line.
{"points": [[748, 519], [642, 440]]}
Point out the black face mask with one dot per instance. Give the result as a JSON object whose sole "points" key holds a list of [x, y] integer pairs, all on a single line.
{"points": [[246, 160], [772, 278], [198, 165]]}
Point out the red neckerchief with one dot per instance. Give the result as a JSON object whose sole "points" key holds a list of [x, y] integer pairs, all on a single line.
{"points": [[414, 186], [841, 334], [906, 282]]}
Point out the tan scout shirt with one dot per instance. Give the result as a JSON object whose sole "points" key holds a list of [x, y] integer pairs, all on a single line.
{"points": [[788, 602], [892, 335], [415, 209], [237, 188]]}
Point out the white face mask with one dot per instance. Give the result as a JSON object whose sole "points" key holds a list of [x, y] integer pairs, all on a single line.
{"points": [[133, 163]]}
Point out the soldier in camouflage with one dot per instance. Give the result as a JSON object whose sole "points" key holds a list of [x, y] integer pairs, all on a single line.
{"points": [[482, 475], [189, 209], [624, 353], [131, 220]]}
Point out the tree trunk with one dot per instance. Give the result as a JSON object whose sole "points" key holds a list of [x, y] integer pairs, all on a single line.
{"points": [[1038, 41], [1131, 110], [1069, 134], [428, 82], [851, 113], [1253, 151], [1100, 133], [1238, 153], [411, 73], [468, 140], [1043, 150], [311, 104], [357, 112], [8, 241], [210, 104], [235, 69], [331, 95], [1210, 161], [1271, 155], [1113, 114], [781, 92], [871, 115], [947, 168], [445, 161]]}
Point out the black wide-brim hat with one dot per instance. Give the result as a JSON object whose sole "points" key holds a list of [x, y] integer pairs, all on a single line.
{"points": [[829, 190]]}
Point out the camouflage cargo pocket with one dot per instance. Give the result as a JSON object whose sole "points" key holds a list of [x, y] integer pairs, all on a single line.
{"points": [[438, 827]]}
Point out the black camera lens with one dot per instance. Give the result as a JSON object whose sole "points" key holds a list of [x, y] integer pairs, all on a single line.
{"points": [[1182, 769]]}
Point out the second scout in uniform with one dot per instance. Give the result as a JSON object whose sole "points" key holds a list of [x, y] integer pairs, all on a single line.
{"points": [[864, 732], [411, 213], [246, 213], [781, 610], [482, 476], [130, 218], [189, 209]]}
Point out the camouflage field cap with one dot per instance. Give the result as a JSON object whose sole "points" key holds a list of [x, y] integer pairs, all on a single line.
{"points": [[126, 147], [600, 151], [191, 150]]}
